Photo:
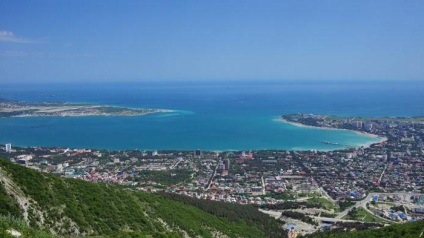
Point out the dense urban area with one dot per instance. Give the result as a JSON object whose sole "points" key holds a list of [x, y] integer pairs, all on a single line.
{"points": [[370, 186]]}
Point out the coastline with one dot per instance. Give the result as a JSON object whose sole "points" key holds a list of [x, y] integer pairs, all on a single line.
{"points": [[25, 109], [155, 111], [366, 145]]}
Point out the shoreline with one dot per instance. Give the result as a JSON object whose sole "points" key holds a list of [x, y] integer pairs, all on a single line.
{"points": [[366, 145], [43, 109], [156, 111]]}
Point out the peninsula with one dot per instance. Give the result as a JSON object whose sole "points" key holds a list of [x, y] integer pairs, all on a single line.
{"points": [[373, 127], [48, 109]]}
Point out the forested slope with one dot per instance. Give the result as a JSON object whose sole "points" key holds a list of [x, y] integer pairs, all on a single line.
{"points": [[408, 230], [72, 207]]}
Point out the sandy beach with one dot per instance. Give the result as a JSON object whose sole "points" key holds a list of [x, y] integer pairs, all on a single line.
{"points": [[382, 139]]}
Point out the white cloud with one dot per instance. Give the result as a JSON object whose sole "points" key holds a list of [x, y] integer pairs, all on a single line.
{"points": [[8, 36]]}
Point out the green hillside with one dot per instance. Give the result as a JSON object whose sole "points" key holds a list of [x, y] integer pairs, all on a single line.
{"points": [[69, 207], [408, 230], [9, 224], [43, 205]]}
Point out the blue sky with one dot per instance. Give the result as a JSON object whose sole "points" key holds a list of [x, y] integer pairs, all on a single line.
{"points": [[103, 40]]}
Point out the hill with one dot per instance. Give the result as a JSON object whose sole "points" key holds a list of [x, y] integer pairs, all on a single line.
{"points": [[408, 230], [43, 205], [12, 227], [69, 207]]}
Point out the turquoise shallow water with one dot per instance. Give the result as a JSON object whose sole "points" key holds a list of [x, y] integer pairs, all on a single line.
{"points": [[209, 116]]}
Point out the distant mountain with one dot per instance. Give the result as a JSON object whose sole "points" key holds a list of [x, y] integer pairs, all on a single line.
{"points": [[37, 203]]}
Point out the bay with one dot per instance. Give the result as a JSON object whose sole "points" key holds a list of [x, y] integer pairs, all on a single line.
{"points": [[215, 115]]}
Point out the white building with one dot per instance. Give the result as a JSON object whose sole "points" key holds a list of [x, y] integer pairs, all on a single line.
{"points": [[8, 148]]}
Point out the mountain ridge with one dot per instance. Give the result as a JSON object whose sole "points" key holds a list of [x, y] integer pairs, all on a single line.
{"points": [[43, 205], [70, 207]]}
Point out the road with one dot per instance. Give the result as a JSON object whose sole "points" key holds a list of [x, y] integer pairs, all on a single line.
{"points": [[175, 165], [363, 203], [272, 213], [332, 220], [213, 175], [326, 195], [381, 176]]}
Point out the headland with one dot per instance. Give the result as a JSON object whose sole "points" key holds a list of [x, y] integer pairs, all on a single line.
{"points": [[48, 109], [362, 126]]}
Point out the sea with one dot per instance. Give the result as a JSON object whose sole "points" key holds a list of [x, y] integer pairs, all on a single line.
{"points": [[207, 115]]}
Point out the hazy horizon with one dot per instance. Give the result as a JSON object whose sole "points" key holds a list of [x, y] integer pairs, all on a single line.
{"points": [[218, 82]]}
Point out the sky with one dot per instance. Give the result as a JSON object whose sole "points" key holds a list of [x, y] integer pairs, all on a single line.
{"points": [[105, 40]]}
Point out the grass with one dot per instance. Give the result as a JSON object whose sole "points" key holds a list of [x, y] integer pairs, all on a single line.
{"points": [[408, 230], [363, 215], [8, 222], [327, 204]]}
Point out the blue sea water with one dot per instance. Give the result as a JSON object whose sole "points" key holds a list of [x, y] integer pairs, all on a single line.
{"points": [[207, 115]]}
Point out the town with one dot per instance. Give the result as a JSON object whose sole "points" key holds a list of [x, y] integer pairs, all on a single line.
{"points": [[379, 184]]}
